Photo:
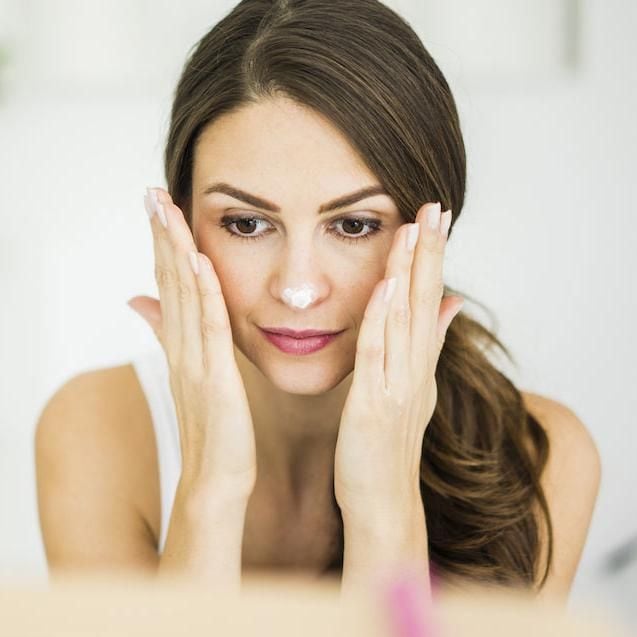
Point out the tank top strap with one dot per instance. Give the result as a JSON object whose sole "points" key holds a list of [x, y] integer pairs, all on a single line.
{"points": [[152, 371]]}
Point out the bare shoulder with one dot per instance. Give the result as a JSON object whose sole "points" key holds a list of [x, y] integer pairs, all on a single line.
{"points": [[570, 482], [97, 427], [561, 423], [573, 452]]}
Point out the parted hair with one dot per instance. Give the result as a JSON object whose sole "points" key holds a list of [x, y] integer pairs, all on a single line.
{"points": [[362, 66]]}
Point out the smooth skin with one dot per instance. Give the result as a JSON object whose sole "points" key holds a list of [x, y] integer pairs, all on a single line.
{"points": [[394, 393], [192, 325], [296, 403], [380, 435], [390, 401]]}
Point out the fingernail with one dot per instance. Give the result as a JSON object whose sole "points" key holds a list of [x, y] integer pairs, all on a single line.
{"points": [[150, 211], [152, 195], [161, 213], [194, 264], [433, 216], [390, 288], [445, 223], [412, 235]]}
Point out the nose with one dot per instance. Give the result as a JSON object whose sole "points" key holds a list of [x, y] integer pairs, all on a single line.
{"points": [[299, 280], [301, 296]]}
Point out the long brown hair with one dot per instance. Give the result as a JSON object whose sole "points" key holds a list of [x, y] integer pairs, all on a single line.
{"points": [[362, 66]]}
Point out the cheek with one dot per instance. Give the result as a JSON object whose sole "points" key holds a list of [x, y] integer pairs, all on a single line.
{"points": [[358, 294], [234, 280], [239, 287]]}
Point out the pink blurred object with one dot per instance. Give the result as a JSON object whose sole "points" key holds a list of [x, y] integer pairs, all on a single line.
{"points": [[410, 605]]}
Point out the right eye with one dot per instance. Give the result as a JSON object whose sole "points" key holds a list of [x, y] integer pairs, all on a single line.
{"points": [[228, 221]]}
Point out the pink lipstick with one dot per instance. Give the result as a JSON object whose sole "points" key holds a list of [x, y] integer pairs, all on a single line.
{"points": [[299, 346]]}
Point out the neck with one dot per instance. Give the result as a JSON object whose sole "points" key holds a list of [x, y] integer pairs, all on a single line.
{"points": [[295, 434]]}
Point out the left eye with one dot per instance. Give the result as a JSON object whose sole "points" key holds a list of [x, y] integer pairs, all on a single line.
{"points": [[349, 222]]}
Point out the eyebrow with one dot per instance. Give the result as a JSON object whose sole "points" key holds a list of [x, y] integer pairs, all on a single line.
{"points": [[253, 200]]}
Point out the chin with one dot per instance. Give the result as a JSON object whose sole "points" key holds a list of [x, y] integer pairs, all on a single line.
{"points": [[310, 375], [314, 381]]}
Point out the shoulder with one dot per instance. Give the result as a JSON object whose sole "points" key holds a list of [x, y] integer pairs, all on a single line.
{"points": [[99, 420], [106, 403], [570, 481], [105, 387], [566, 431]]}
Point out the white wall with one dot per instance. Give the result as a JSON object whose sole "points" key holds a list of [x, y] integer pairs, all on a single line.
{"points": [[547, 96]]}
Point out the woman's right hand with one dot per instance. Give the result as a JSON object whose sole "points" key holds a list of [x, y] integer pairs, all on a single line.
{"points": [[191, 322]]}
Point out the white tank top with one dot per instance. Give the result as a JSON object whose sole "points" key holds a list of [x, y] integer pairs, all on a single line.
{"points": [[151, 368]]}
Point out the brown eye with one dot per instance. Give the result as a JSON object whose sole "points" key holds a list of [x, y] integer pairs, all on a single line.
{"points": [[246, 225], [355, 224]]}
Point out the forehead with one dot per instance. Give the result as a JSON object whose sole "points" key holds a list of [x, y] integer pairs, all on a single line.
{"points": [[278, 144]]}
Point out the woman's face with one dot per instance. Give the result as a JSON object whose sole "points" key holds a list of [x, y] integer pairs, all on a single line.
{"points": [[291, 157]]}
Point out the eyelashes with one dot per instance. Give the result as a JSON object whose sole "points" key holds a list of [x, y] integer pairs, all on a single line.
{"points": [[373, 224]]}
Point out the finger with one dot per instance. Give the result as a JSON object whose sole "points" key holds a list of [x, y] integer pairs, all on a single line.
{"points": [[166, 278], [369, 373], [186, 285], [398, 327], [427, 285], [215, 323]]}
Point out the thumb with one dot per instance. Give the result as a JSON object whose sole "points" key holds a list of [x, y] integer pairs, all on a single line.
{"points": [[150, 310]]}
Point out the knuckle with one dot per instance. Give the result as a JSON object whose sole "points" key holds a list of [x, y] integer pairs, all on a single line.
{"points": [[431, 294], [393, 405], [211, 294], [211, 328], [184, 292], [397, 398], [435, 244], [401, 315], [400, 403], [165, 277]]}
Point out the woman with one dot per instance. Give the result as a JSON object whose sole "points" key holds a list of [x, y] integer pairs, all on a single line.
{"points": [[303, 137]]}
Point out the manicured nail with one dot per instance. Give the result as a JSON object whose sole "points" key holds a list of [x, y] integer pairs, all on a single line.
{"points": [[433, 216], [194, 263], [390, 288], [150, 211], [152, 195], [445, 223], [412, 236], [161, 213]]}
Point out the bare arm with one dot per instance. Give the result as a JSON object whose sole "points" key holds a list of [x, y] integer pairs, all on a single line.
{"points": [[385, 544], [205, 536], [90, 484]]}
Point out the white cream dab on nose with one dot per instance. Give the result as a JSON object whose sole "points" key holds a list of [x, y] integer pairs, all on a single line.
{"points": [[299, 297]]}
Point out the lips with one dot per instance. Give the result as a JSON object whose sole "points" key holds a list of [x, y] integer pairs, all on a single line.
{"points": [[298, 334], [299, 346]]}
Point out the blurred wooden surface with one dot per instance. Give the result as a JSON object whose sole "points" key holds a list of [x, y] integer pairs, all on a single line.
{"points": [[268, 605]]}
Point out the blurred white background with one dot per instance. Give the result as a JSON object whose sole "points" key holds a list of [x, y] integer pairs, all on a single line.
{"points": [[547, 96]]}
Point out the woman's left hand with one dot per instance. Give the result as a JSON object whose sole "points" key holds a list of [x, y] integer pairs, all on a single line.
{"points": [[393, 393]]}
